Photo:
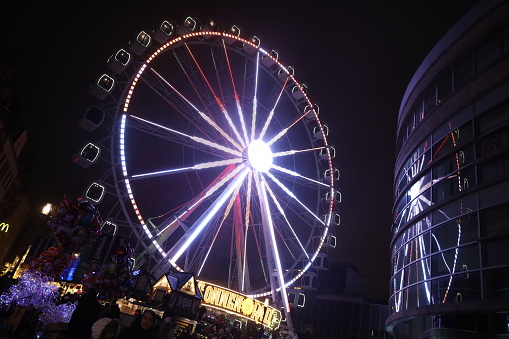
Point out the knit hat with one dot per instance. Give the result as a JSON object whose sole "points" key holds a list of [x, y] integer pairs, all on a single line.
{"points": [[101, 324]]}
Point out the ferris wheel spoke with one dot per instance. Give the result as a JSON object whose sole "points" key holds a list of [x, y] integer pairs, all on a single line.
{"points": [[271, 247], [160, 86], [271, 114], [210, 245], [247, 217], [216, 98], [290, 194], [288, 224], [292, 152], [205, 165], [255, 98], [237, 100], [297, 175], [193, 138], [285, 130], [168, 226], [184, 242], [206, 118]]}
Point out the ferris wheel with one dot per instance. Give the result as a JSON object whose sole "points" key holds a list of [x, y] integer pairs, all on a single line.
{"points": [[218, 161]]}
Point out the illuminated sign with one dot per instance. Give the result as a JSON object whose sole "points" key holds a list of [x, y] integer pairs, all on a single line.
{"points": [[4, 227], [236, 303]]}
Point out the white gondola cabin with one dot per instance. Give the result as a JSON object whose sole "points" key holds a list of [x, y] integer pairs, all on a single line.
{"points": [[94, 193], [321, 262], [92, 118], [187, 26], [139, 45], [296, 298], [234, 31], [310, 111], [270, 60], [309, 282], [87, 155], [119, 61], [164, 32], [328, 174], [102, 87], [317, 131], [251, 48]]}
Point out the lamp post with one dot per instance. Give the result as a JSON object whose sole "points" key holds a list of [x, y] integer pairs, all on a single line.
{"points": [[44, 212], [46, 209]]}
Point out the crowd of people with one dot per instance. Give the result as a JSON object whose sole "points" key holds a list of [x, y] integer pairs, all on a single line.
{"points": [[91, 320], [94, 320]]}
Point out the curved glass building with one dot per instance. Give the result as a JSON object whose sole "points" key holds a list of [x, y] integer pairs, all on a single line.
{"points": [[450, 231]]}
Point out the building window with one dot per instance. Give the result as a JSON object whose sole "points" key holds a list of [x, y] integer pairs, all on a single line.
{"points": [[488, 53], [464, 71], [444, 87], [430, 99]]}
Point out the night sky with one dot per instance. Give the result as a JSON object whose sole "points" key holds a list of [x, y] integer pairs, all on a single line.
{"points": [[356, 57]]}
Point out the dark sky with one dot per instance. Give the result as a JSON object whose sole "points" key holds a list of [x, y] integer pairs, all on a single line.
{"points": [[356, 57]]}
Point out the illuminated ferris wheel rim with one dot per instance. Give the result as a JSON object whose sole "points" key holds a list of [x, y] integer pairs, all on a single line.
{"points": [[125, 115]]}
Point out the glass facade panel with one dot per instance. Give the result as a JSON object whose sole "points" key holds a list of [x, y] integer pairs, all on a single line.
{"points": [[493, 120], [418, 271], [453, 162], [496, 283], [457, 288], [495, 252], [453, 184], [453, 141], [455, 260], [454, 209], [495, 221], [411, 297], [454, 233], [494, 143], [396, 282], [494, 169], [424, 294]]}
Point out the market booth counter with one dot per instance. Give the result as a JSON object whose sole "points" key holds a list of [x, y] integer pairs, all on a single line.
{"points": [[196, 306], [178, 296]]}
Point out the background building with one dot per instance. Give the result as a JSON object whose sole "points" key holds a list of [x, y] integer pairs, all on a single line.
{"points": [[341, 307], [450, 232], [14, 203]]}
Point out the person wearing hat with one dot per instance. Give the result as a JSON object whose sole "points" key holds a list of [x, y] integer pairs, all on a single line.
{"points": [[84, 315], [144, 329], [167, 330], [105, 328]]}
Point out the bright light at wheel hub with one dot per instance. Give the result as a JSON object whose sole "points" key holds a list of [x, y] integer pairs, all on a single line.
{"points": [[259, 155]]}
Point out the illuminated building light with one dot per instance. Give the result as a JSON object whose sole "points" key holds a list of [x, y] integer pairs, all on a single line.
{"points": [[4, 227]]}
